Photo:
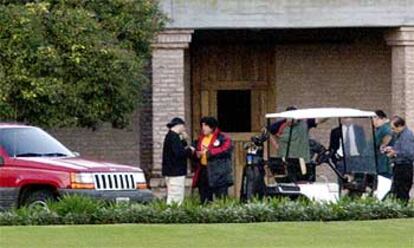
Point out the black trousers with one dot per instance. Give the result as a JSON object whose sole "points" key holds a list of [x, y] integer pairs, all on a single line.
{"points": [[402, 181], [207, 193]]}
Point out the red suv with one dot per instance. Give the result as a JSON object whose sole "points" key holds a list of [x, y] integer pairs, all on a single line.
{"points": [[35, 167]]}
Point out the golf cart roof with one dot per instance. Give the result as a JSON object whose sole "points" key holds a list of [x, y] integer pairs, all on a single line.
{"points": [[321, 113]]}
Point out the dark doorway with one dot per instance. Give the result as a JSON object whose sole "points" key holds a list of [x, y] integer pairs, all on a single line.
{"points": [[234, 110]]}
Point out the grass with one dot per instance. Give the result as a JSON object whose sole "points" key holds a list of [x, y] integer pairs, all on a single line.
{"points": [[384, 233]]}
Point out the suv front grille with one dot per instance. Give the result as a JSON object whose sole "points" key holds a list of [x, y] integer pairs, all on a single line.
{"points": [[114, 181]]}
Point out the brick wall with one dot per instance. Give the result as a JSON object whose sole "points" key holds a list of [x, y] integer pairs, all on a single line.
{"points": [[106, 143], [131, 146], [356, 75], [338, 75]]}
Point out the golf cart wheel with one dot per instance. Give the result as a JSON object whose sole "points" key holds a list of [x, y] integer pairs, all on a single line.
{"points": [[38, 199]]}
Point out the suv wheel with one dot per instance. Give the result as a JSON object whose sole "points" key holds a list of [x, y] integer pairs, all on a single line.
{"points": [[38, 199]]}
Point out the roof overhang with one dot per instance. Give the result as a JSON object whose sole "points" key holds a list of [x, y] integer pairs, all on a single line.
{"points": [[262, 14]]}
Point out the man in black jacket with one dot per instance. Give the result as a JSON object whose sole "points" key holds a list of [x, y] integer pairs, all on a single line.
{"points": [[174, 160]]}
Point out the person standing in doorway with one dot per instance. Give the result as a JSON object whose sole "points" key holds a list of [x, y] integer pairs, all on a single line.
{"points": [[383, 138], [174, 160], [214, 172], [402, 157]]}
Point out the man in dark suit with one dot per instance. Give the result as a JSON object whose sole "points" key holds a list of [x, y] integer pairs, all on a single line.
{"points": [[351, 148]]}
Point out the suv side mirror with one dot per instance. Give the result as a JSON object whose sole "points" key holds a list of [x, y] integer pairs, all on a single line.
{"points": [[76, 154], [1, 161]]}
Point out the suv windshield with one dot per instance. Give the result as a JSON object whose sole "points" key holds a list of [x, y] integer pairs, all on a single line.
{"points": [[349, 142], [31, 142]]}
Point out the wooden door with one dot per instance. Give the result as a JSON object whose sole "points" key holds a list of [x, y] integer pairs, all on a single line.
{"points": [[233, 67]]}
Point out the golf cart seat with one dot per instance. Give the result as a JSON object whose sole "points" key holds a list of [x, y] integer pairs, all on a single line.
{"points": [[360, 182], [288, 169]]}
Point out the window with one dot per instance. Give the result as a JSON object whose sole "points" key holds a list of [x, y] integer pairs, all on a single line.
{"points": [[30, 142], [234, 110]]}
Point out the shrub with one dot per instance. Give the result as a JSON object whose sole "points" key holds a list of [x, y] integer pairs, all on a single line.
{"points": [[81, 210]]}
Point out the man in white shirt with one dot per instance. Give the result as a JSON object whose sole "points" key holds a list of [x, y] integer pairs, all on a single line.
{"points": [[348, 141]]}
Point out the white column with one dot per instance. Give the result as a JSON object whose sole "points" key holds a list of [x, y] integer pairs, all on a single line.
{"points": [[402, 42]]}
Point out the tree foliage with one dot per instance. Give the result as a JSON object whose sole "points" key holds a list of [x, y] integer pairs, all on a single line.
{"points": [[74, 62]]}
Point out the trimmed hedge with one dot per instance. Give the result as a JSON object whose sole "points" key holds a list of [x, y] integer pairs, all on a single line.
{"points": [[80, 210]]}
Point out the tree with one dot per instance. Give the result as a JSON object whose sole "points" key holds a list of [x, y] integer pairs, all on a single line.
{"points": [[74, 62]]}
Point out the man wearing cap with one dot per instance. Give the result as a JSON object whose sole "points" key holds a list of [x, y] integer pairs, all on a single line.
{"points": [[174, 160]]}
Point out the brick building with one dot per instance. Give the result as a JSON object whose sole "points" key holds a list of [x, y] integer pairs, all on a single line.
{"points": [[267, 55]]}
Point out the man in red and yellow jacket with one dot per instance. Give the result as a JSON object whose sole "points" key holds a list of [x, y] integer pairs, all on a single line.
{"points": [[214, 171]]}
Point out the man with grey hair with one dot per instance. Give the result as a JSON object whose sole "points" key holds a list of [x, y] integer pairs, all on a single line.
{"points": [[174, 160], [402, 156]]}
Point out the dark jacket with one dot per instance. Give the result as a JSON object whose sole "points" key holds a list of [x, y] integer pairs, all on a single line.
{"points": [[336, 139], [174, 155], [404, 147], [219, 161]]}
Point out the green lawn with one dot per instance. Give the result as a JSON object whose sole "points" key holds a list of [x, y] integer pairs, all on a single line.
{"points": [[387, 233]]}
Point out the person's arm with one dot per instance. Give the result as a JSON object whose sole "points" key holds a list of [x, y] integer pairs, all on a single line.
{"points": [[179, 150], [333, 141], [406, 150], [312, 123], [386, 140], [274, 128], [273, 141]]}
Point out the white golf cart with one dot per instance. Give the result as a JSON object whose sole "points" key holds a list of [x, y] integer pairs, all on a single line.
{"points": [[346, 172]]}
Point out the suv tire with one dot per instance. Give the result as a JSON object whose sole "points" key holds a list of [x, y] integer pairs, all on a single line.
{"points": [[38, 198]]}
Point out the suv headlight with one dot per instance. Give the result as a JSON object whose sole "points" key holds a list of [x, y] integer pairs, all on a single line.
{"points": [[82, 181], [140, 181]]}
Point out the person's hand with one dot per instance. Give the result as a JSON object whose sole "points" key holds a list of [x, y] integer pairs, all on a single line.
{"points": [[192, 149], [202, 152], [184, 135], [382, 148], [199, 154], [389, 151]]}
